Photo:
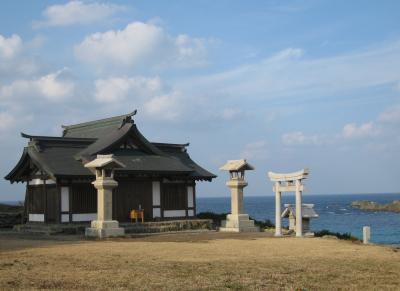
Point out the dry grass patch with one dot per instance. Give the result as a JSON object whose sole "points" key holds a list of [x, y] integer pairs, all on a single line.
{"points": [[199, 261]]}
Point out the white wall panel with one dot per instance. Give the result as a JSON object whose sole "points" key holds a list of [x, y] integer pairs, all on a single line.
{"points": [[64, 199], [84, 216], [40, 182], [156, 193], [36, 217], [190, 196], [156, 212], [64, 217]]}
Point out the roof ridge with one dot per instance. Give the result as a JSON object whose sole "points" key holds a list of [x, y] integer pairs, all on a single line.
{"points": [[178, 145], [56, 138], [115, 137], [98, 121]]}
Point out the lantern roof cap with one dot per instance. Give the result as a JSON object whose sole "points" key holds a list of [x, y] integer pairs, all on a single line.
{"points": [[105, 161], [237, 165]]}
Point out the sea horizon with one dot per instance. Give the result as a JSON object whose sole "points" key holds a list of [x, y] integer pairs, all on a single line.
{"points": [[13, 202], [335, 213], [306, 194]]}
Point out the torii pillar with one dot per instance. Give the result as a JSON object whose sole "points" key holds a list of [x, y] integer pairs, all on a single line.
{"points": [[289, 182]]}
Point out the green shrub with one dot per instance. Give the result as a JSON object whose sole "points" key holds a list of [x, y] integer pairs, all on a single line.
{"points": [[215, 217], [264, 224], [218, 217], [345, 236]]}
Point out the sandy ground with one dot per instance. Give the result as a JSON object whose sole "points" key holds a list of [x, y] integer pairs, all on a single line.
{"points": [[196, 261]]}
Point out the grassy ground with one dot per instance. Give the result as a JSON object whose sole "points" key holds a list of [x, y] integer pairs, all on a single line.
{"points": [[198, 261]]}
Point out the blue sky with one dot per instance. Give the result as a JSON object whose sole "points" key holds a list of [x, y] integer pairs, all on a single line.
{"points": [[285, 84]]}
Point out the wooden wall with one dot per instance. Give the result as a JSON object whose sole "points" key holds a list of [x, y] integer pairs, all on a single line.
{"points": [[52, 204], [128, 195], [174, 196], [44, 199], [83, 198], [36, 202]]}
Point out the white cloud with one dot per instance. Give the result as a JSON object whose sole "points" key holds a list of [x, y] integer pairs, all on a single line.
{"points": [[392, 115], [353, 131], [6, 121], [190, 51], [288, 74], [255, 150], [231, 113], [14, 118], [15, 58], [76, 12], [10, 47], [165, 107], [299, 138], [140, 45], [53, 87], [385, 127], [151, 96], [117, 89], [286, 54]]}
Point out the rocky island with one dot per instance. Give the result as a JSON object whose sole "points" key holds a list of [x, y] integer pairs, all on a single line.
{"points": [[374, 206]]}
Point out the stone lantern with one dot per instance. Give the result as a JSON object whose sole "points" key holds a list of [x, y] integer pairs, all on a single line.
{"points": [[237, 221], [103, 166]]}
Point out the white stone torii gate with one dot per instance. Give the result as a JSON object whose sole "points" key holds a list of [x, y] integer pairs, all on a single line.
{"points": [[289, 182]]}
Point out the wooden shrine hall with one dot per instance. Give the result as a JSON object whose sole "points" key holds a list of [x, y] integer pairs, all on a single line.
{"points": [[159, 178]]}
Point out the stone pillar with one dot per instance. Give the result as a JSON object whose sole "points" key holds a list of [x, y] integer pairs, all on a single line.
{"points": [[278, 211], [366, 234], [299, 214], [104, 226], [104, 198], [237, 221], [236, 187]]}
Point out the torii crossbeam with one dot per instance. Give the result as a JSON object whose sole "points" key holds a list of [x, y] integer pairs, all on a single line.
{"points": [[288, 182]]}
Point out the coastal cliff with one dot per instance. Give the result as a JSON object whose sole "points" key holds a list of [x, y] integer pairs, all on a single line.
{"points": [[374, 206]]}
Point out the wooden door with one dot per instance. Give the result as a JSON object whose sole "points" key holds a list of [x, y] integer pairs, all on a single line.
{"points": [[129, 195], [36, 199], [52, 204], [174, 196]]}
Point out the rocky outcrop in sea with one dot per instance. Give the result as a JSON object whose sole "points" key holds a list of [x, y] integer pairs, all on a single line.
{"points": [[374, 206]]}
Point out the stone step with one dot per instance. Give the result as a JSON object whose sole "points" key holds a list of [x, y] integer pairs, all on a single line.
{"points": [[165, 226], [49, 229], [240, 223], [147, 227], [239, 229]]}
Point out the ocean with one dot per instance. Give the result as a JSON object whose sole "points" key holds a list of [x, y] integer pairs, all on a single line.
{"points": [[335, 213]]}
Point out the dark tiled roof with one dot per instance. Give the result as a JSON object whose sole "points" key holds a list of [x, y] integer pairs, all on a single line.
{"points": [[64, 156], [116, 136], [96, 128], [59, 161], [179, 151], [53, 160], [136, 160]]}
